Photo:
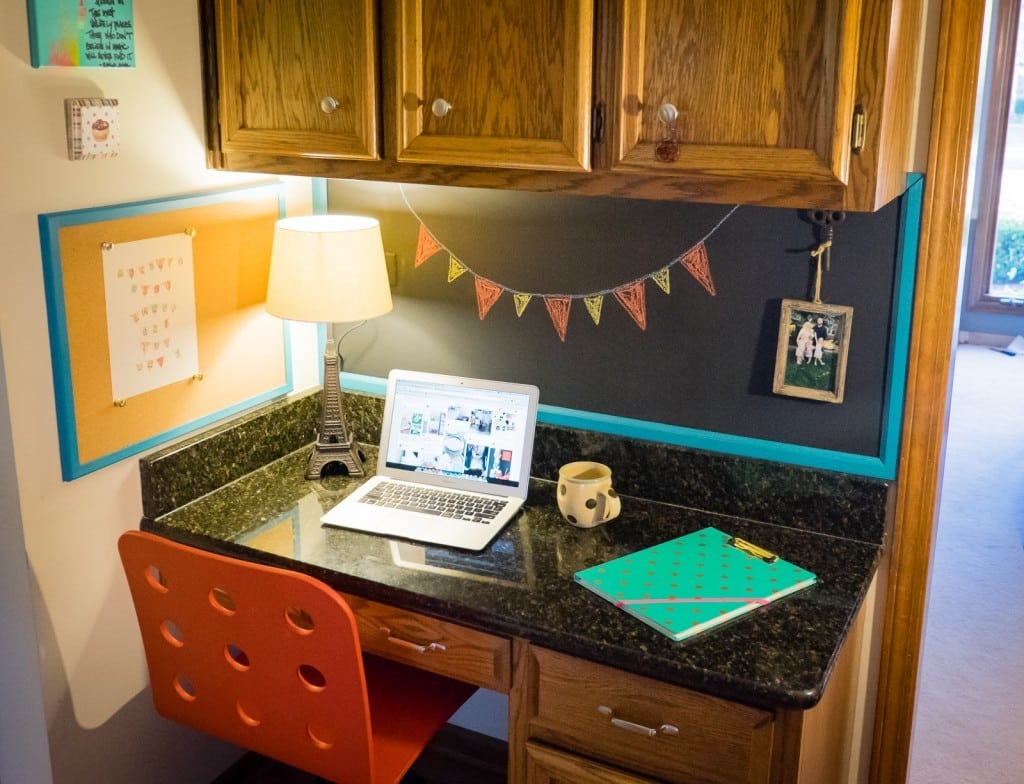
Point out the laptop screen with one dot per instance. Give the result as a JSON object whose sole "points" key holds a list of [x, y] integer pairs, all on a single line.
{"points": [[462, 429]]}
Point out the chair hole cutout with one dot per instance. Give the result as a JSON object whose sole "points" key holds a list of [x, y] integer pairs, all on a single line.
{"points": [[236, 657], [299, 620], [319, 737], [248, 714], [312, 678], [222, 601], [155, 578], [185, 688], [172, 633]]}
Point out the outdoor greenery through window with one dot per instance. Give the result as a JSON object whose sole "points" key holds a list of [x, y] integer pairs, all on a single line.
{"points": [[997, 256]]}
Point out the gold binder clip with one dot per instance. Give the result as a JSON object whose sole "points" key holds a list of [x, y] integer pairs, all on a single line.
{"points": [[753, 550]]}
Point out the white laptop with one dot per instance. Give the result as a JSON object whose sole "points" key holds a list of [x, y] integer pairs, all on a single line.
{"points": [[454, 461]]}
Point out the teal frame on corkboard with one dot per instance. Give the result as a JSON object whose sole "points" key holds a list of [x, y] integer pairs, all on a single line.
{"points": [[231, 395], [880, 466]]}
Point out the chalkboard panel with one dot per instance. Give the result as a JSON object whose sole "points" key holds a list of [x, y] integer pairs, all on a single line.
{"points": [[703, 361]]}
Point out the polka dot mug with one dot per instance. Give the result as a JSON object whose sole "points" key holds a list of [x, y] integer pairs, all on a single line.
{"points": [[585, 494]]}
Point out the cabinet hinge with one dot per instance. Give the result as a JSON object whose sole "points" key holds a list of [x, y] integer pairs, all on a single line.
{"points": [[860, 128], [597, 123]]}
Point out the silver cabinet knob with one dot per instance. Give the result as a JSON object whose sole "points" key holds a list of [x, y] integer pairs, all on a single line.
{"points": [[440, 107], [328, 104]]}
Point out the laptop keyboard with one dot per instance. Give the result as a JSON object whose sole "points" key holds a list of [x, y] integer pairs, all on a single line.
{"points": [[430, 500]]}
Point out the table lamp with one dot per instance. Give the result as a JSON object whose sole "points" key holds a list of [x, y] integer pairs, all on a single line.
{"points": [[329, 268]]}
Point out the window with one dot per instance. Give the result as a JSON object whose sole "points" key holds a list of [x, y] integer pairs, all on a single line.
{"points": [[996, 280]]}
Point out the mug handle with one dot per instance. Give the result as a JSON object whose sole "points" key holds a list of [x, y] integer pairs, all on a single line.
{"points": [[611, 505]]}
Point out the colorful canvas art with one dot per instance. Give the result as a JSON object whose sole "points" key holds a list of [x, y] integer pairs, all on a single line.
{"points": [[81, 33]]}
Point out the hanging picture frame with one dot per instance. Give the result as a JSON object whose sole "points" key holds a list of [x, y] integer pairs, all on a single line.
{"points": [[810, 361]]}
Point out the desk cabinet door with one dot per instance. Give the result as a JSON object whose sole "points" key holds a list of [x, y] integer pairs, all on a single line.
{"points": [[503, 83], [298, 77]]}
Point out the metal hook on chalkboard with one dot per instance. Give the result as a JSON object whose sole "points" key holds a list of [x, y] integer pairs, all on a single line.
{"points": [[826, 220]]}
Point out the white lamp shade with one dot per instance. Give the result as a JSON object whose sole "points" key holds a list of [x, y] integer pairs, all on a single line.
{"points": [[328, 268]]}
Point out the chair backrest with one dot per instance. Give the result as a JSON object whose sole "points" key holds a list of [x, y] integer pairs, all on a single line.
{"points": [[265, 658]]}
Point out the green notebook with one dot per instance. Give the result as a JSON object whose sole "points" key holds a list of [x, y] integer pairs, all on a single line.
{"points": [[698, 581]]}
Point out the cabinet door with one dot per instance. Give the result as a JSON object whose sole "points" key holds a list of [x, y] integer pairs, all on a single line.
{"points": [[761, 90], [500, 83], [298, 77]]}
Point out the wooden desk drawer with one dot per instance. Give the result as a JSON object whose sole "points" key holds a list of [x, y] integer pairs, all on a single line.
{"points": [[434, 645], [646, 726], [545, 765]]}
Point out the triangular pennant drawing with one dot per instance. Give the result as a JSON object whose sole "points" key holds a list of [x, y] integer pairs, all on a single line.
{"points": [[661, 277], [631, 296], [455, 268], [696, 263], [487, 294], [558, 309], [426, 246], [521, 300]]}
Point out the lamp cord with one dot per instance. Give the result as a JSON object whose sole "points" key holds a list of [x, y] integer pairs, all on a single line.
{"points": [[349, 331], [337, 342]]}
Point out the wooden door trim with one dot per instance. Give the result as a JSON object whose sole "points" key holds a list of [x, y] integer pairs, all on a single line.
{"points": [[936, 303]]}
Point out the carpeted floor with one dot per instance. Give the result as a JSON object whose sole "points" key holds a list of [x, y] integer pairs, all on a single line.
{"points": [[969, 727]]}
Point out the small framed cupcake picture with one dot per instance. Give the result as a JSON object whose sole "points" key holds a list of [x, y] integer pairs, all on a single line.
{"points": [[93, 128]]}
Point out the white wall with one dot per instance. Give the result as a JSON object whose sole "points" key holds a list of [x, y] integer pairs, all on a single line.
{"points": [[23, 747], [99, 721]]}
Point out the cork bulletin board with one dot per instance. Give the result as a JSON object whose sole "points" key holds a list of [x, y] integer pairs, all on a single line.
{"points": [[138, 361]]}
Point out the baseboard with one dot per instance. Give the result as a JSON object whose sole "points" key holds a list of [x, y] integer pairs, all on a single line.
{"points": [[984, 339]]}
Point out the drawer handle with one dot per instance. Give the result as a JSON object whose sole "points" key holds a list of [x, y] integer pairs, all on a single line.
{"points": [[632, 726], [412, 646]]}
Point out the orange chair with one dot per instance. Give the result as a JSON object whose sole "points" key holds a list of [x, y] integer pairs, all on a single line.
{"points": [[269, 659]]}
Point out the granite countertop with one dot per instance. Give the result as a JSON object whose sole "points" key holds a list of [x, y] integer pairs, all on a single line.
{"points": [[778, 656]]}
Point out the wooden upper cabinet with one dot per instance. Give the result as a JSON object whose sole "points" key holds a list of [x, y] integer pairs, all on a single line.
{"points": [[799, 103], [503, 83], [727, 90], [298, 77]]}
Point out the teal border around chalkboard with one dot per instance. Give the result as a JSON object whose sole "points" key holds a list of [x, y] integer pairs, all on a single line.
{"points": [[880, 466], [50, 225]]}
